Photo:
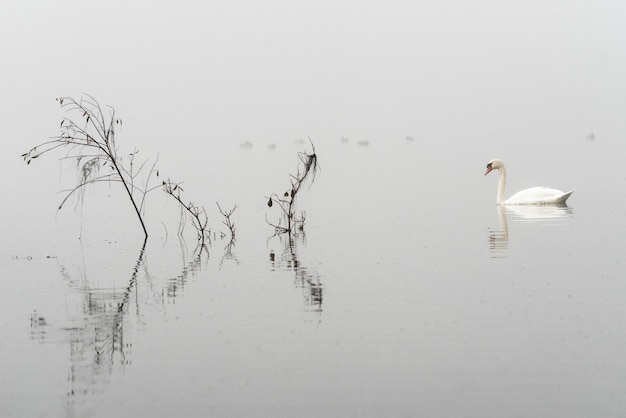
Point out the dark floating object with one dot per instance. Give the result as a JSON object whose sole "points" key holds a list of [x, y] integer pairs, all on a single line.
{"points": [[269, 202], [409, 138]]}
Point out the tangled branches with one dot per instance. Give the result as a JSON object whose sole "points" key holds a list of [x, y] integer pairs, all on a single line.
{"points": [[197, 213], [88, 136], [307, 170]]}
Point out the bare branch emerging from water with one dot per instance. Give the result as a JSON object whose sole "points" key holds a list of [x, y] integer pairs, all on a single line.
{"points": [[307, 171], [197, 213], [88, 136], [227, 221]]}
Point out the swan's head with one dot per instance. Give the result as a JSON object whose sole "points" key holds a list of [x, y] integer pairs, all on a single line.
{"points": [[494, 164]]}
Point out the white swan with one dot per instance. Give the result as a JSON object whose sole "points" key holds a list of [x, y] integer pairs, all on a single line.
{"points": [[532, 196]]}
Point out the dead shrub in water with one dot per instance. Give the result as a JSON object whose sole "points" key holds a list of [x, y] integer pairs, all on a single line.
{"points": [[88, 137], [197, 213], [228, 222], [228, 249], [89, 140], [307, 170]]}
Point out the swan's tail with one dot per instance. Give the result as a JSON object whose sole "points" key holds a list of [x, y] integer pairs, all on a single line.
{"points": [[563, 198]]}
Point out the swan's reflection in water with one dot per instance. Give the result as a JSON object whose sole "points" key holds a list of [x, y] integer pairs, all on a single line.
{"points": [[544, 214], [539, 213], [499, 238]]}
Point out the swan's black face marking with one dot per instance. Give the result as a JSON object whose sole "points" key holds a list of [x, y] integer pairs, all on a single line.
{"points": [[489, 168]]}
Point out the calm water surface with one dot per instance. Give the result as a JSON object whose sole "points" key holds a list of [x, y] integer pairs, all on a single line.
{"points": [[410, 294]]}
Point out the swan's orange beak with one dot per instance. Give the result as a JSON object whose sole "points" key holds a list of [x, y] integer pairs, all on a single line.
{"points": [[488, 169]]}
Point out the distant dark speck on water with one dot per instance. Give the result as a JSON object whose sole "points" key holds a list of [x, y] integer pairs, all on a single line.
{"points": [[246, 145], [363, 143]]}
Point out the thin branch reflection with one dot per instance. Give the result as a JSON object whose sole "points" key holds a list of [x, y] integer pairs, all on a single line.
{"points": [[306, 278], [100, 343]]}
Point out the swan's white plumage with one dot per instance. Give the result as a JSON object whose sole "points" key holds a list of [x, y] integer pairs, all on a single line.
{"points": [[532, 196], [538, 195]]}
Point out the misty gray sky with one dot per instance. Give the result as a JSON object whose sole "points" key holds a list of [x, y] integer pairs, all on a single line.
{"points": [[192, 73]]}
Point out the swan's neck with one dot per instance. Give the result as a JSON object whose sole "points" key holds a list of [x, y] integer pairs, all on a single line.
{"points": [[501, 185]]}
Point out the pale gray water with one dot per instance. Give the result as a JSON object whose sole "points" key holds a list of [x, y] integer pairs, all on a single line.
{"points": [[411, 293], [401, 303]]}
